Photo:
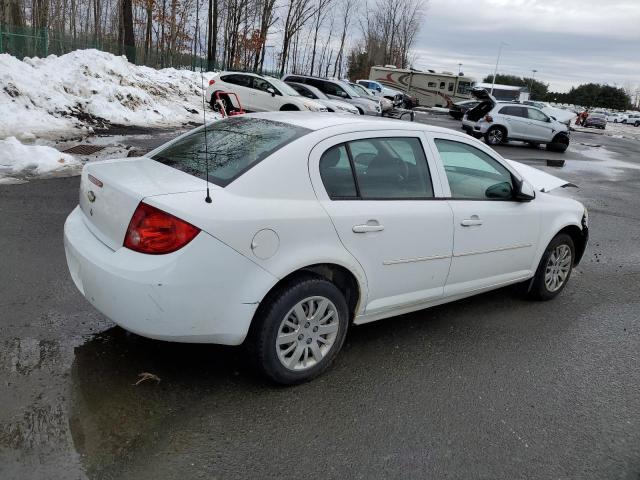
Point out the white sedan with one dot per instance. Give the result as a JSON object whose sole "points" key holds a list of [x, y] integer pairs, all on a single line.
{"points": [[309, 224]]}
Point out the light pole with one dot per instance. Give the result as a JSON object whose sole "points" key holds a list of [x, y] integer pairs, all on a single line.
{"points": [[459, 69], [495, 72], [531, 85]]}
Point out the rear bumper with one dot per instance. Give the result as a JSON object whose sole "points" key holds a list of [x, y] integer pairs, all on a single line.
{"points": [[204, 293]]}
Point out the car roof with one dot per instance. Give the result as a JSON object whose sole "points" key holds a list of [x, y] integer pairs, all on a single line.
{"points": [[318, 121]]}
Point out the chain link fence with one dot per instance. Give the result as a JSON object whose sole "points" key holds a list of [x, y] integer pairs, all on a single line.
{"points": [[24, 42]]}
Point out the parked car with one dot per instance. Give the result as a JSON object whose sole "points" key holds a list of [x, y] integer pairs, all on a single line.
{"points": [[500, 122], [597, 120], [337, 90], [379, 90], [385, 104], [631, 119], [614, 117], [313, 223], [458, 109], [260, 93], [309, 91]]}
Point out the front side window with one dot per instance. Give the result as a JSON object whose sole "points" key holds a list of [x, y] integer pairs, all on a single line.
{"points": [[385, 169], [537, 115], [262, 85], [304, 91], [333, 89], [473, 174], [233, 146]]}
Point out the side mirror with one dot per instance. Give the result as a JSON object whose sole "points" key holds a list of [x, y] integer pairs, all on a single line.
{"points": [[524, 191], [271, 91], [501, 190], [343, 94]]}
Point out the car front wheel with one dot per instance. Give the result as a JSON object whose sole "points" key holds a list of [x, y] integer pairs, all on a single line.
{"points": [[554, 269], [300, 330]]}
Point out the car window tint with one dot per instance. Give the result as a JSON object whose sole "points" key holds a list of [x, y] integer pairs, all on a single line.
{"points": [[233, 146], [235, 79], [261, 84], [537, 115], [331, 88], [305, 92], [514, 111], [391, 168], [472, 173], [336, 173], [292, 78]]}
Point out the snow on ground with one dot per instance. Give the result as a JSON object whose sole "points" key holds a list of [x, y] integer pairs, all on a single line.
{"points": [[69, 95], [18, 161]]}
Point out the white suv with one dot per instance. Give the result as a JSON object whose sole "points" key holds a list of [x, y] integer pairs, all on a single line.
{"points": [[499, 122], [260, 93]]}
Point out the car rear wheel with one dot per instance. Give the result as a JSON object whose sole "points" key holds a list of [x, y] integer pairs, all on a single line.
{"points": [[299, 330], [554, 269], [495, 136]]}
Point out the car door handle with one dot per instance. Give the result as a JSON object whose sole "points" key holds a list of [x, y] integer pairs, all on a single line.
{"points": [[471, 222], [370, 226]]}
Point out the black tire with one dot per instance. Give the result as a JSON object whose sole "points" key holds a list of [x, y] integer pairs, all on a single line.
{"points": [[271, 315], [495, 136], [559, 144], [533, 145], [360, 111], [289, 108], [539, 289]]}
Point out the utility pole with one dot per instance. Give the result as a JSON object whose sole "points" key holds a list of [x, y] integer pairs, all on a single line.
{"points": [[495, 72], [459, 68]]}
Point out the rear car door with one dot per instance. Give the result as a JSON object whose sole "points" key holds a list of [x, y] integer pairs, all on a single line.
{"points": [[240, 84], [495, 235], [379, 190], [516, 120], [540, 126]]}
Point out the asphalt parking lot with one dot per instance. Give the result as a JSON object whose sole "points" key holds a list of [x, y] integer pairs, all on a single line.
{"points": [[493, 387]]}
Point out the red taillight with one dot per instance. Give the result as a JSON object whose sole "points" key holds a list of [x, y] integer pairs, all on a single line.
{"points": [[156, 232], [488, 118], [212, 81]]}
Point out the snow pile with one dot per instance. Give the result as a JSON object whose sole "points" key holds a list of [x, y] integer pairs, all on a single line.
{"points": [[54, 96], [18, 160]]}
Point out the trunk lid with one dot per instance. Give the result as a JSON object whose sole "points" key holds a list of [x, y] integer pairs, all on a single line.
{"points": [[111, 190]]}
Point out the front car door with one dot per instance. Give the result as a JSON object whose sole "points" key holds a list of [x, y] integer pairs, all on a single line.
{"points": [[495, 236], [541, 127], [264, 100], [379, 190]]}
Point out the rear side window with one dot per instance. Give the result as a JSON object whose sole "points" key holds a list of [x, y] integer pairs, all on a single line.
{"points": [[233, 146], [514, 111], [384, 168], [336, 173], [292, 78], [236, 79], [442, 85]]}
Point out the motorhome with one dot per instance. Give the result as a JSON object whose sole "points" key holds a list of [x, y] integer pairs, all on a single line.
{"points": [[433, 89]]}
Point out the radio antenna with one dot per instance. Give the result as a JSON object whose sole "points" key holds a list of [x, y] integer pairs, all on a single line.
{"points": [[204, 116]]}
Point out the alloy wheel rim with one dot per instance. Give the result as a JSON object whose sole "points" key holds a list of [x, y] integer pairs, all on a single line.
{"points": [[558, 268], [307, 333], [496, 136]]}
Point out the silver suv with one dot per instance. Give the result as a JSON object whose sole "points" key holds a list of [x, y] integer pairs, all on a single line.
{"points": [[338, 90], [499, 122]]}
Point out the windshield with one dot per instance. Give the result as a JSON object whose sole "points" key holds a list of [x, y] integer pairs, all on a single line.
{"points": [[283, 87], [350, 90], [234, 145]]}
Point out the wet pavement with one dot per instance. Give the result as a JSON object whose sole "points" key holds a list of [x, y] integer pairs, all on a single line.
{"points": [[492, 387]]}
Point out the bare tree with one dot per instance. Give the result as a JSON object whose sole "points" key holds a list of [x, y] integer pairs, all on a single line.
{"points": [[298, 14], [347, 10]]}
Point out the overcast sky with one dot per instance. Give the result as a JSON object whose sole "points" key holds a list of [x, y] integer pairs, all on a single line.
{"points": [[569, 42]]}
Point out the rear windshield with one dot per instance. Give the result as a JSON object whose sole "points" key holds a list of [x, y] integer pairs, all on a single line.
{"points": [[233, 146]]}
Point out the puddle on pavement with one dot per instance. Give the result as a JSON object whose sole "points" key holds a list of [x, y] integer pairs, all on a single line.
{"points": [[75, 410]]}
